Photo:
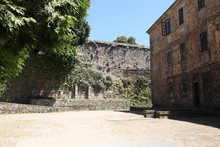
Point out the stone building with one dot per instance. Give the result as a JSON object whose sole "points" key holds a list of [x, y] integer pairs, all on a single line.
{"points": [[185, 56]]}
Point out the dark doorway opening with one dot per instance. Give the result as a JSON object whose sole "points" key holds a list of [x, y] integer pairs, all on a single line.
{"points": [[196, 94]]}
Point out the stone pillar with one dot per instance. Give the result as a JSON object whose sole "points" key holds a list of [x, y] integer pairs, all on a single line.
{"points": [[76, 89]]}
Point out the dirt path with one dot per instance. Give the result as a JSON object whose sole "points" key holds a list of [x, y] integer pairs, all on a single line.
{"points": [[105, 128]]}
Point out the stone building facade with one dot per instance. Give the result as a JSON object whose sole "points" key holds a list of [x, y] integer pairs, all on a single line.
{"points": [[185, 56]]}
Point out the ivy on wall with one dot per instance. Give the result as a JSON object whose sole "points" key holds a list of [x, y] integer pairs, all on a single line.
{"points": [[84, 76], [137, 91]]}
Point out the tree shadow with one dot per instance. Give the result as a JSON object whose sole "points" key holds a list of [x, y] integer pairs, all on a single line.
{"points": [[41, 76]]}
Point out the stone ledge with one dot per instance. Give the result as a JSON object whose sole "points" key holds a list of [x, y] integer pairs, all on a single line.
{"points": [[12, 108], [98, 104], [117, 44]]}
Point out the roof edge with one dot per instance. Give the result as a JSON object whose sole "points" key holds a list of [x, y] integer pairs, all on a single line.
{"points": [[174, 4]]}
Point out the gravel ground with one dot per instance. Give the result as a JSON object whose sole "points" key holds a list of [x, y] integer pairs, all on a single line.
{"points": [[106, 128]]}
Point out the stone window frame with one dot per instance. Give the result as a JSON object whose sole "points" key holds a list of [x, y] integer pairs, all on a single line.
{"points": [[201, 4], [181, 16], [166, 27]]}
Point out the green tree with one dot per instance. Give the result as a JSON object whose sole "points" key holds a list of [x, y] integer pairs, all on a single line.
{"points": [[131, 40], [121, 39], [137, 91], [47, 27]]}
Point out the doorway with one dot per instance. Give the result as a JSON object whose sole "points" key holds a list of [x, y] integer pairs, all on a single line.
{"points": [[196, 94]]}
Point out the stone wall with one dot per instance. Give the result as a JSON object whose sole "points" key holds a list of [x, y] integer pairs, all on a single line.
{"points": [[12, 108], [52, 105], [98, 104], [117, 59], [114, 59], [82, 93]]}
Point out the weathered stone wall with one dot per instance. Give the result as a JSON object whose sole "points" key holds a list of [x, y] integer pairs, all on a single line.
{"points": [[117, 58], [12, 108], [175, 85], [52, 105], [83, 93], [98, 104]]}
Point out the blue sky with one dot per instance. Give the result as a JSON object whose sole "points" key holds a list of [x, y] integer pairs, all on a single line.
{"points": [[112, 18]]}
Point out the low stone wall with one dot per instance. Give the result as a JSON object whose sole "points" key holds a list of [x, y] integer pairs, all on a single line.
{"points": [[98, 104], [12, 108]]}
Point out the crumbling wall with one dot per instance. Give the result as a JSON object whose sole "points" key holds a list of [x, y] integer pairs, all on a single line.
{"points": [[117, 58]]}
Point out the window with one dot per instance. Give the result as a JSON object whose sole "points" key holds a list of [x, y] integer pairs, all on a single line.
{"points": [[182, 52], [184, 89], [201, 4], [166, 28], [207, 83], [170, 57], [158, 39], [181, 16], [171, 90], [204, 41]]}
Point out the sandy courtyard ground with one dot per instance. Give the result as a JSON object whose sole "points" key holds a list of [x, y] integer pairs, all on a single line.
{"points": [[106, 128]]}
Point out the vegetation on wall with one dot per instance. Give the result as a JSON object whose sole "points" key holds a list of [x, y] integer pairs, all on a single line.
{"points": [[123, 39], [137, 91], [47, 27], [84, 76]]}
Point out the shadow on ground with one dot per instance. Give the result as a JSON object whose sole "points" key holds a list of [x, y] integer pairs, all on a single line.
{"points": [[207, 121], [213, 121]]}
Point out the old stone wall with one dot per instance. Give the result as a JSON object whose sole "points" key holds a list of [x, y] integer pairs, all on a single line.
{"points": [[114, 59], [96, 104], [191, 81], [12, 108], [52, 105], [117, 59]]}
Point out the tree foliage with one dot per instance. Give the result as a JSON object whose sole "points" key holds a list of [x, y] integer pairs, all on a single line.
{"points": [[137, 91], [123, 39], [84, 76], [47, 27], [131, 40]]}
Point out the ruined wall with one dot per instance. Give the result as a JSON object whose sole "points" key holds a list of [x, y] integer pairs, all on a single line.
{"points": [[174, 85], [114, 59], [117, 58]]}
